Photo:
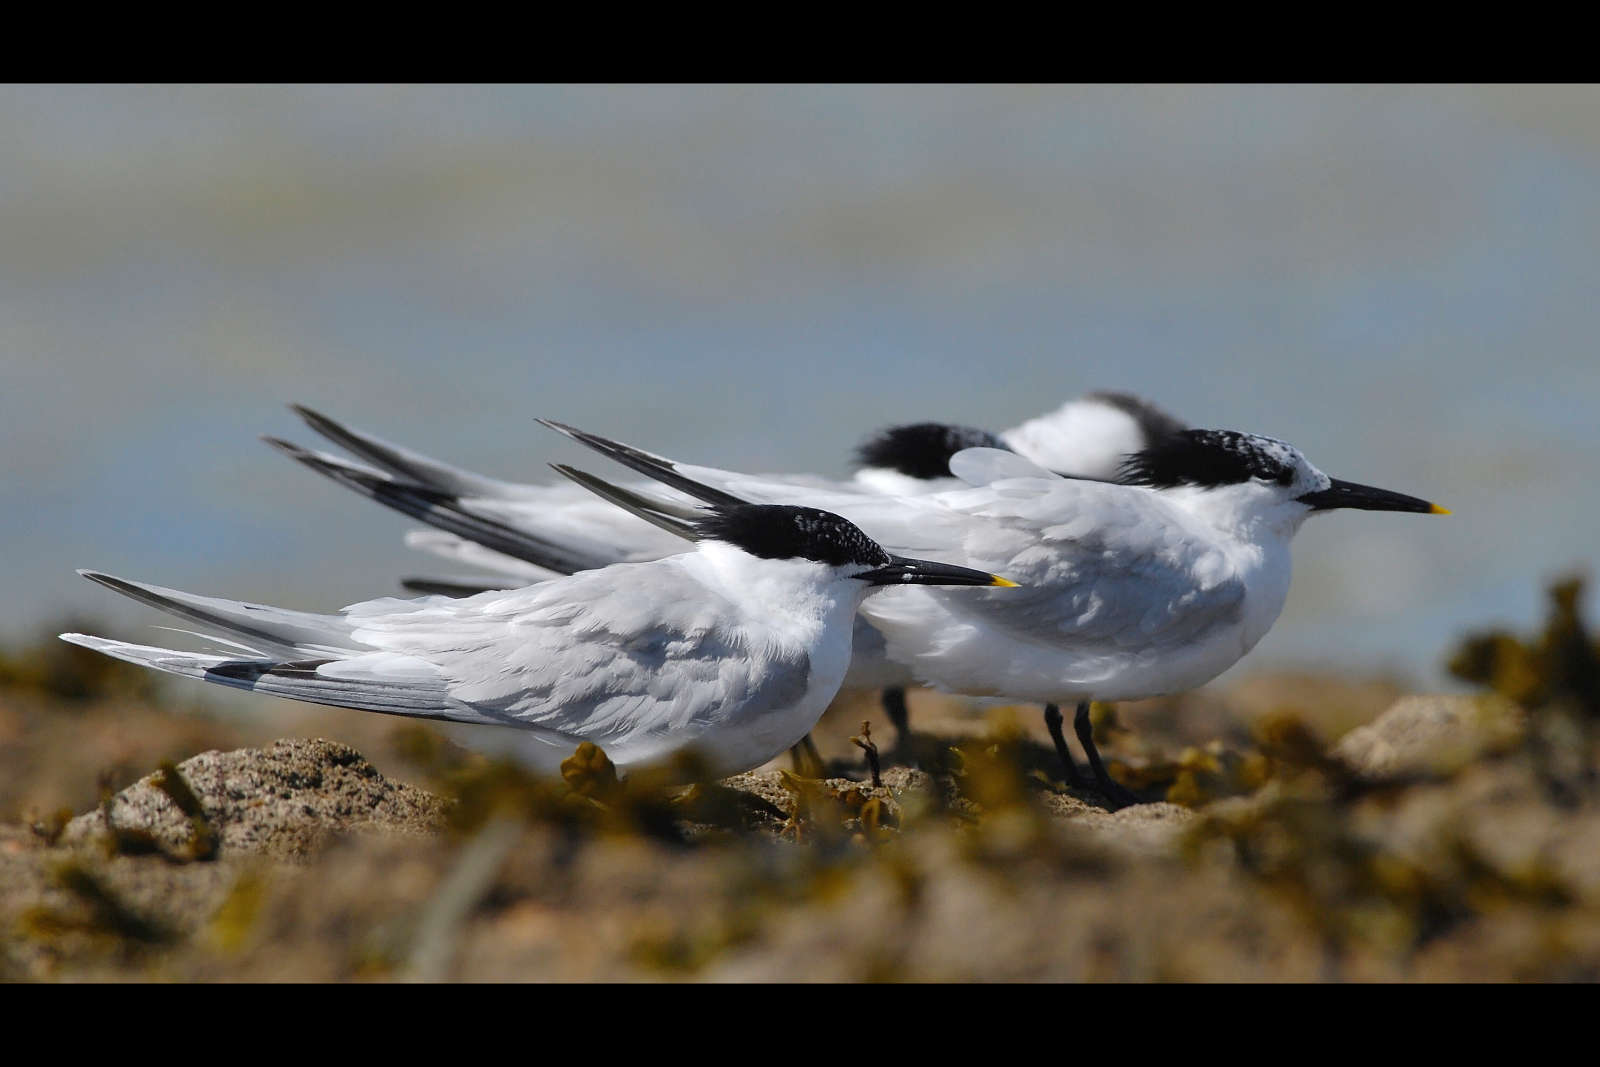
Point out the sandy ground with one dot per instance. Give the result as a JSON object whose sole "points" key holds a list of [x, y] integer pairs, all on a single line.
{"points": [[1300, 827]]}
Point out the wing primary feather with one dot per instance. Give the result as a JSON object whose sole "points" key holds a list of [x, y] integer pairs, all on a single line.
{"points": [[455, 589], [444, 511], [662, 470], [413, 466], [277, 628], [651, 511], [295, 681]]}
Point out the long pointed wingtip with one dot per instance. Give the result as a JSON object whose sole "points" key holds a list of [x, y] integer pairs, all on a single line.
{"points": [[110, 581], [88, 641], [307, 414], [658, 467], [630, 502], [593, 483], [603, 444], [284, 446], [329, 428]]}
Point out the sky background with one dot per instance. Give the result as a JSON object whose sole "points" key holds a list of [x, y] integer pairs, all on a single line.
{"points": [[1402, 281]]}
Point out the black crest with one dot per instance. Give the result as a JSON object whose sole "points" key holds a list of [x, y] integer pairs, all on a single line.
{"points": [[1209, 458], [779, 531], [1153, 422], [923, 449]]}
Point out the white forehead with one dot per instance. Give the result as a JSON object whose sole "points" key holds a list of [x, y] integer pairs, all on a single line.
{"points": [[1307, 478], [1277, 451]]}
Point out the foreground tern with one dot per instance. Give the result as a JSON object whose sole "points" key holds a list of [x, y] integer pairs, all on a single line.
{"points": [[526, 533], [733, 649], [1132, 590]]}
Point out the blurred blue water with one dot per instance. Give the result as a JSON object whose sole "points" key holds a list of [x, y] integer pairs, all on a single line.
{"points": [[1401, 281]]}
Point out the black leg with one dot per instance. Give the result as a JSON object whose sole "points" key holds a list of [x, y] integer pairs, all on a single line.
{"points": [[1052, 719], [894, 705], [1113, 791]]}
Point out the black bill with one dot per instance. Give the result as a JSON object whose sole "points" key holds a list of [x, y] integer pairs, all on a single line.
{"points": [[905, 571], [1352, 495]]}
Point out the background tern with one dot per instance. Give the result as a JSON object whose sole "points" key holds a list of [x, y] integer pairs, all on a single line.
{"points": [[529, 532], [733, 649], [1130, 591], [525, 533]]}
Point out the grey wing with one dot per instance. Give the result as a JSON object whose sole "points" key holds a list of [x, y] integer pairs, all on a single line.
{"points": [[631, 656], [981, 466], [628, 657], [459, 549], [1100, 566]]}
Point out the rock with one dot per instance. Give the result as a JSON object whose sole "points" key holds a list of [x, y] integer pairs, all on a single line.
{"points": [[1144, 829], [281, 800], [1431, 735]]}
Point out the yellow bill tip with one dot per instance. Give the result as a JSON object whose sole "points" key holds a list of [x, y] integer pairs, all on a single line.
{"points": [[1003, 583], [1435, 509]]}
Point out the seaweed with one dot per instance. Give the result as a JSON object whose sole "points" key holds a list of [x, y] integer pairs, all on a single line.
{"points": [[1555, 675], [205, 844], [864, 742], [99, 913]]}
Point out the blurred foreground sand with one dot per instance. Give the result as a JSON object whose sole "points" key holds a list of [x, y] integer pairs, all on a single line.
{"points": [[310, 862]]}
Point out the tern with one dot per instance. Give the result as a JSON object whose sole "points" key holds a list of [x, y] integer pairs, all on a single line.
{"points": [[1151, 585], [526, 533], [733, 649]]}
